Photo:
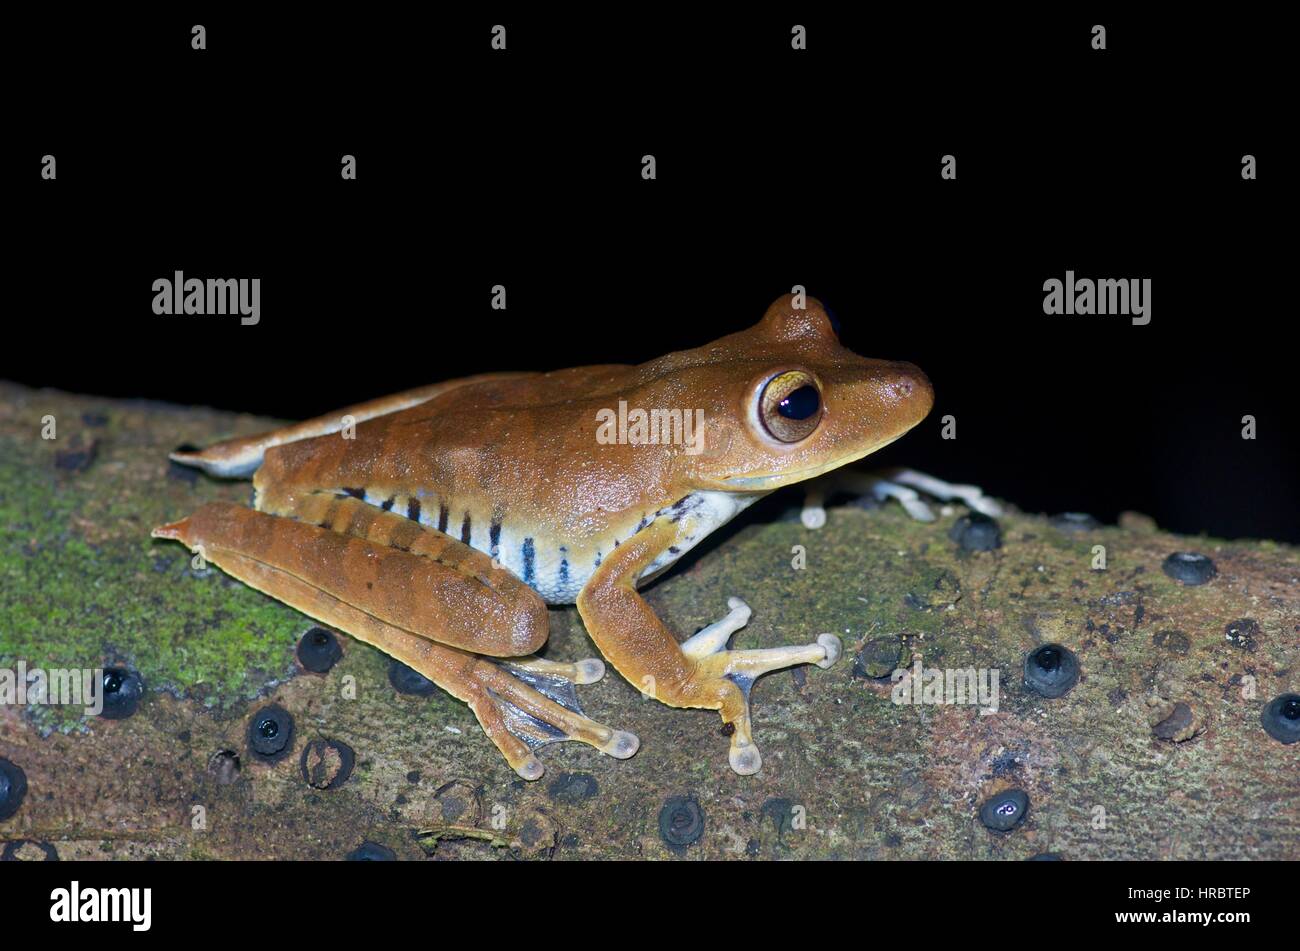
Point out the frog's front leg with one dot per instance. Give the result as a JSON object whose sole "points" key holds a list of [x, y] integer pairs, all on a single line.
{"points": [[420, 596], [698, 673]]}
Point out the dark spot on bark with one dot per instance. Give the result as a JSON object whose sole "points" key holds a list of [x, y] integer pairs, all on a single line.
{"points": [[781, 812], [1174, 724], [123, 689], [372, 852], [1051, 671], [78, 456], [28, 850], [681, 822], [327, 764], [1243, 633], [319, 650], [1189, 567], [878, 658], [410, 681], [13, 788], [1173, 641], [270, 734], [224, 764], [1281, 718], [1006, 810], [976, 532], [573, 787], [1074, 522]]}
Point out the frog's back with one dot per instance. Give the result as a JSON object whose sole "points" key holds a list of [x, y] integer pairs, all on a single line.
{"points": [[505, 465]]}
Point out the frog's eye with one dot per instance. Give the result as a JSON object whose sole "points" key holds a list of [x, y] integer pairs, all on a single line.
{"points": [[790, 406]]}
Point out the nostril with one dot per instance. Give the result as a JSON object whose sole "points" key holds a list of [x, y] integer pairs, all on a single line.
{"points": [[910, 382]]}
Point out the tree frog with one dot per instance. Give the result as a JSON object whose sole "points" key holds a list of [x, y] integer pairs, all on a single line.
{"points": [[438, 524]]}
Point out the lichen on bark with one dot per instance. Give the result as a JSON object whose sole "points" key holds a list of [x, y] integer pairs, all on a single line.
{"points": [[1157, 752]]}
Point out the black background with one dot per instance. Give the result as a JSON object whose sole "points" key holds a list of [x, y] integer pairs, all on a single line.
{"points": [[775, 168], [346, 902]]}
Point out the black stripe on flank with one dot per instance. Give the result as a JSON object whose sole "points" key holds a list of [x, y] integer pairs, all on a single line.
{"points": [[494, 538], [413, 509], [355, 493], [442, 518], [564, 566], [464, 529], [527, 554], [388, 504]]}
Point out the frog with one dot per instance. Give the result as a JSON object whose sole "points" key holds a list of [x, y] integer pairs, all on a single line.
{"points": [[438, 524]]}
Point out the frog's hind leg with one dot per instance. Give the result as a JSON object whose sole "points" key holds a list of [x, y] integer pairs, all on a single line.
{"points": [[421, 597], [540, 709]]}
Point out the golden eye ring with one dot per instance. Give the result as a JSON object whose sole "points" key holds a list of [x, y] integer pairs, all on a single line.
{"points": [[790, 406]]}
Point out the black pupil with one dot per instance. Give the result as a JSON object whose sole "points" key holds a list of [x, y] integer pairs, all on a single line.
{"points": [[1291, 709], [320, 638], [270, 729], [112, 682], [1049, 658], [800, 404]]}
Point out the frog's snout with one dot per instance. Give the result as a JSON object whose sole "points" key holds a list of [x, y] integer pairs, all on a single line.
{"points": [[907, 385]]}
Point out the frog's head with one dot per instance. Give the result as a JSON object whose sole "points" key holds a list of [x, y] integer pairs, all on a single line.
{"points": [[784, 401]]}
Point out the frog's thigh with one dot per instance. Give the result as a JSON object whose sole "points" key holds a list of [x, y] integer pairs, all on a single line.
{"points": [[301, 564], [698, 673], [408, 575]]}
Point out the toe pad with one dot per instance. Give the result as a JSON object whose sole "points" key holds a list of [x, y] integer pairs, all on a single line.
{"points": [[745, 760], [590, 670], [833, 648], [531, 768], [622, 745]]}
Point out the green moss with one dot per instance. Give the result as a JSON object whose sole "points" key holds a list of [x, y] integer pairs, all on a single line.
{"points": [[71, 603]]}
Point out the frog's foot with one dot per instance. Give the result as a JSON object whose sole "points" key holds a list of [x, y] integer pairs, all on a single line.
{"points": [[905, 485], [731, 674], [528, 703]]}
